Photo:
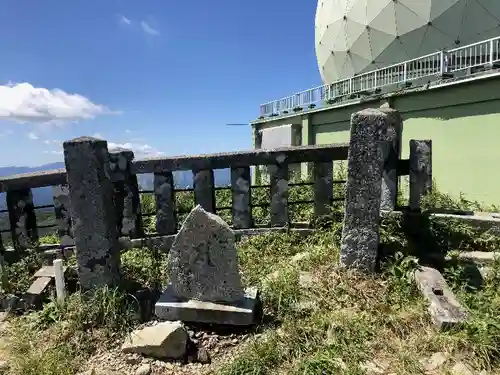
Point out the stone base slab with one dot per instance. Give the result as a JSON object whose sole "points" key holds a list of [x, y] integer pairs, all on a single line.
{"points": [[242, 313]]}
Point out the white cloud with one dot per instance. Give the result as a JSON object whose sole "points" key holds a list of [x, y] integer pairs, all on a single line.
{"points": [[23, 102], [148, 29], [54, 152], [124, 20], [33, 136], [140, 150], [97, 135]]}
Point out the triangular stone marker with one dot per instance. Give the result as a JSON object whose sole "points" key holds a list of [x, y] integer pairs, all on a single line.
{"points": [[205, 283]]}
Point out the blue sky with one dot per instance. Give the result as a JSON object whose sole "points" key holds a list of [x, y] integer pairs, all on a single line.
{"points": [[162, 77]]}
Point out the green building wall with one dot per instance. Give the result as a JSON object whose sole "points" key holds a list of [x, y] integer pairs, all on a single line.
{"points": [[461, 118]]}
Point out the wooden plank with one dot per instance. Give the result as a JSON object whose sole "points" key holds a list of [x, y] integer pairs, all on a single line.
{"points": [[38, 286], [47, 271]]}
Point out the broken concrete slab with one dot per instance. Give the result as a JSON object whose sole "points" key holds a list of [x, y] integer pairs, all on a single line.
{"points": [[444, 308], [244, 312]]}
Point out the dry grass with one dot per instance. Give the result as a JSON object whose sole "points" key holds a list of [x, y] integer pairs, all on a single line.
{"points": [[352, 319]]}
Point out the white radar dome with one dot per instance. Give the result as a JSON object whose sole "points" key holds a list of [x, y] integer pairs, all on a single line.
{"points": [[355, 36]]}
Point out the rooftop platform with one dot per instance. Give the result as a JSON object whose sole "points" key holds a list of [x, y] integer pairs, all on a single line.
{"points": [[434, 70]]}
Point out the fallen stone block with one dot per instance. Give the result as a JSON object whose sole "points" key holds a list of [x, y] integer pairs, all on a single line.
{"points": [[165, 340], [444, 308]]}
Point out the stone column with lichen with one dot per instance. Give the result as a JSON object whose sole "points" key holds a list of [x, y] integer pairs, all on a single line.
{"points": [[92, 212]]}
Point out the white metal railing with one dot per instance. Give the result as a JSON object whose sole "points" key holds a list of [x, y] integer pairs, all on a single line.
{"points": [[434, 64]]}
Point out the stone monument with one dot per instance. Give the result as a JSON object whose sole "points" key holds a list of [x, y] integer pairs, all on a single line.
{"points": [[205, 283]]}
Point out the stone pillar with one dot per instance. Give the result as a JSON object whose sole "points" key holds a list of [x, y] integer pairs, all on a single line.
{"points": [[92, 212], [60, 195], [306, 138], [323, 187], [204, 189], [256, 142], [365, 164], [391, 153], [278, 175], [241, 194], [420, 171], [126, 194], [22, 219], [166, 218]]}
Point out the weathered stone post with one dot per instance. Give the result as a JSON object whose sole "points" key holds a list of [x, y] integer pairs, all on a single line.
{"points": [[391, 152], [420, 171], [92, 212], [60, 195], [22, 218], [126, 194], [365, 165]]}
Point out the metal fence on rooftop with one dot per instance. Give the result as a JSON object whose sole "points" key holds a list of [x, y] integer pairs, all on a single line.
{"points": [[434, 64]]}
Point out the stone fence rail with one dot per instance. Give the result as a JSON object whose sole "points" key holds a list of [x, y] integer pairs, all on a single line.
{"points": [[123, 172]]}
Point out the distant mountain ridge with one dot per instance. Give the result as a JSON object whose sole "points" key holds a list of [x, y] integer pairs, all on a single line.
{"points": [[43, 196]]}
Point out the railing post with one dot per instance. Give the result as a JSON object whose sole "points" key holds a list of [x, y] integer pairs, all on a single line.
{"points": [[204, 192], [391, 148], [442, 63], [365, 165], [278, 175], [240, 188], [60, 195], [166, 220], [59, 280], [126, 194], [22, 219], [420, 172], [405, 72], [92, 212], [492, 52]]}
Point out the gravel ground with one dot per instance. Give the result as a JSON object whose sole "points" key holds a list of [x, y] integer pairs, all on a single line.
{"points": [[214, 348]]}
